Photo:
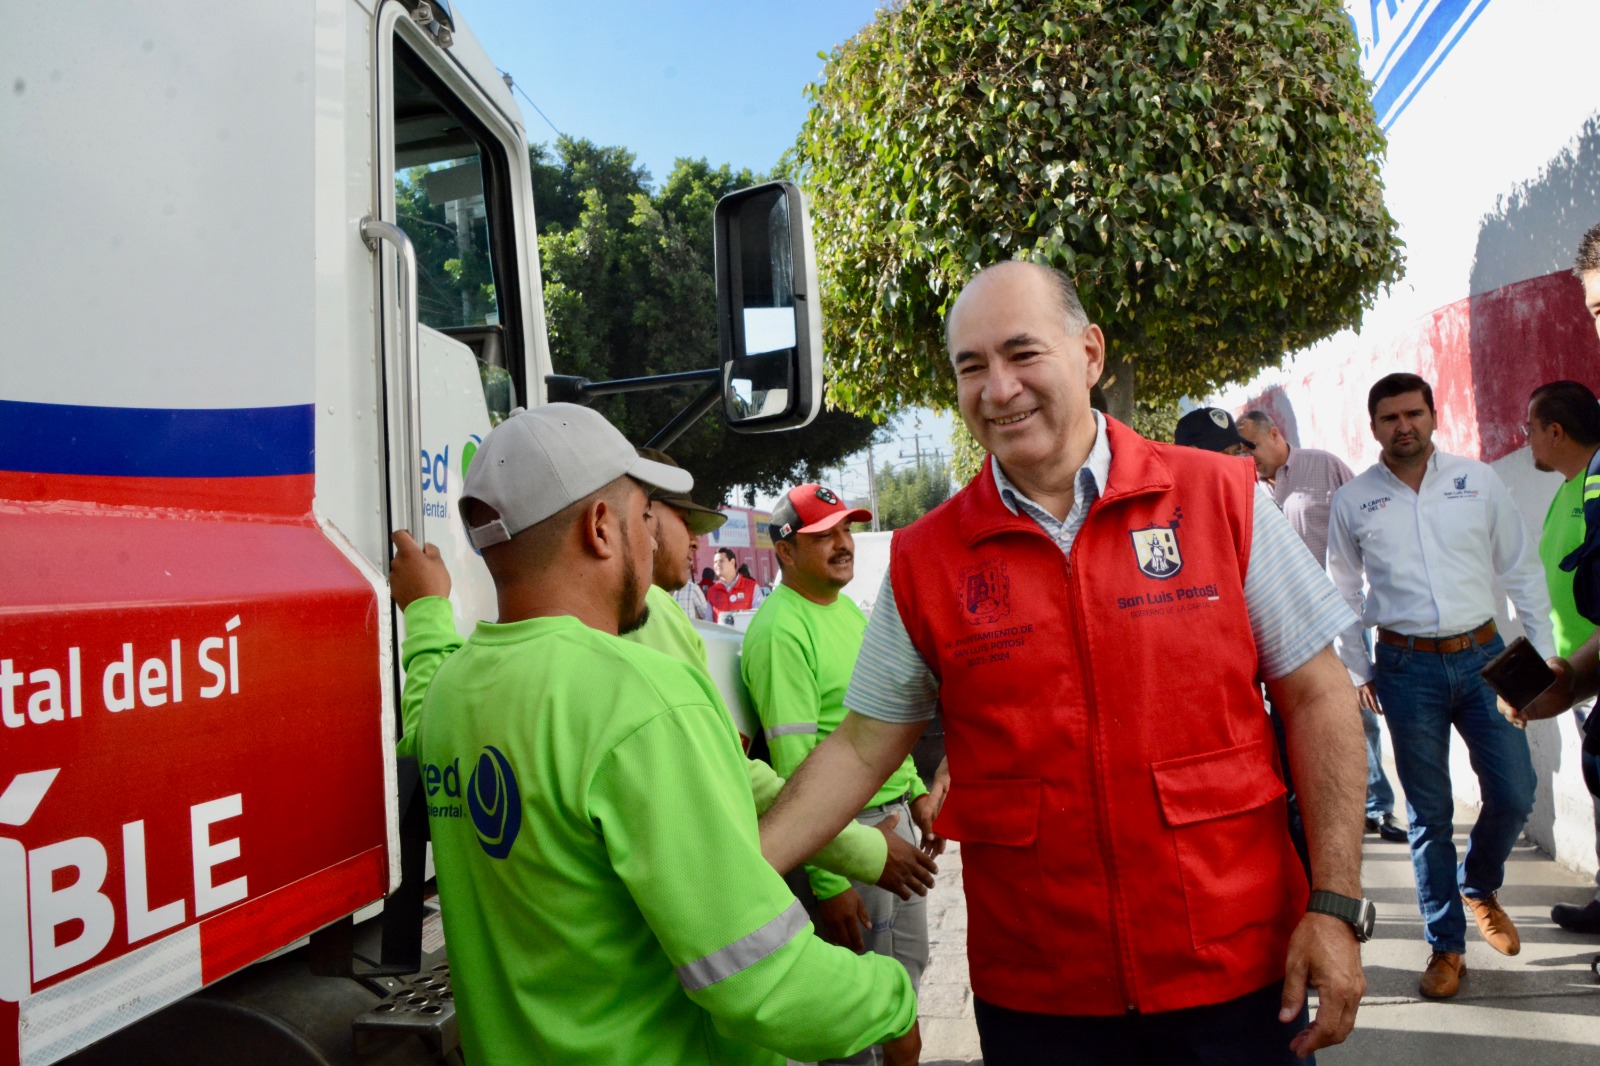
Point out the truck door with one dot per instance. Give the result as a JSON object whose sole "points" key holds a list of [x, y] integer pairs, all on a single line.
{"points": [[452, 179]]}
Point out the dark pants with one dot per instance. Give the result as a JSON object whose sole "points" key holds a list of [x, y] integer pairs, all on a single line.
{"points": [[1297, 825], [1240, 1032]]}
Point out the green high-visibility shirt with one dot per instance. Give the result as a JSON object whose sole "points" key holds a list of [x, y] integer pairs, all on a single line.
{"points": [[796, 662], [1563, 533], [601, 879], [859, 852], [669, 631]]}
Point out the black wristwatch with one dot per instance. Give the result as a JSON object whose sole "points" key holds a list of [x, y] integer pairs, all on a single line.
{"points": [[1360, 913]]}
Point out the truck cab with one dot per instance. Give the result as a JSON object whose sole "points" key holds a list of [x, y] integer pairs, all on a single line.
{"points": [[270, 275]]}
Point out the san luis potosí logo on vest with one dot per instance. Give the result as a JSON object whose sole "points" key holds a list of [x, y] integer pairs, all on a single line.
{"points": [[1157, 554]]}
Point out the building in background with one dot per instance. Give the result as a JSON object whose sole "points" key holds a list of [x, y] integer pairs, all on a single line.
{"points": [[1493, 172], [746, 535]]}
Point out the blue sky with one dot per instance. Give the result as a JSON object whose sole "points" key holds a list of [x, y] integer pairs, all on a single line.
{"points": [[719, 79], [722, 79]]}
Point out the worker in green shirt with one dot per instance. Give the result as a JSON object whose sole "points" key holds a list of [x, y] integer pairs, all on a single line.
{"points": [[419, 584], [600, 875], [799, 652], [1563, 436]]}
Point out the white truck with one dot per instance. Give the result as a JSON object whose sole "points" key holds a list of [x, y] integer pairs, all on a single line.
{"points": [[269, 274]]}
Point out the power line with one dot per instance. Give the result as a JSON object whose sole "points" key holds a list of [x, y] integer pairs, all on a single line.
{"points": [[509, 80]]}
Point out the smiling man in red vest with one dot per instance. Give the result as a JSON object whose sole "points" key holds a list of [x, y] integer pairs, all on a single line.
{"points": [[1092, 616]]}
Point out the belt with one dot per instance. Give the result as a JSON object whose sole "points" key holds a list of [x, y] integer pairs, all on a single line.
{"points": [[886, 805], [1439, 645]]}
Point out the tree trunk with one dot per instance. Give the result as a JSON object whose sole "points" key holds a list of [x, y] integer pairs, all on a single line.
{"points": [[1116, 384]]}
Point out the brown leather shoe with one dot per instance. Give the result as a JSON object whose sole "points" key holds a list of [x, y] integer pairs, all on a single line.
{"points": [[1495, 924], [1442, 978]]}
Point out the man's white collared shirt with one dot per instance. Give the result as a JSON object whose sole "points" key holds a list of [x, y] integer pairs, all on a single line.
{"points": [[1431, 558]]}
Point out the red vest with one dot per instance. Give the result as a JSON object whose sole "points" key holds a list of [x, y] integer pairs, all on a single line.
{"points": [[741, 597], [1115, 783]]}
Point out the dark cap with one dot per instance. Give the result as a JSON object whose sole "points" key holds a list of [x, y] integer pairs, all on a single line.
{"points": [[1210, 428], [699, 518], [812, 508]]}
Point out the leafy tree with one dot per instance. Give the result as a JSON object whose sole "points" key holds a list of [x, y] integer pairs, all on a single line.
{"points": [[1207, 171], [966, 457], [455, 283], [906, 494], [629, 291]]}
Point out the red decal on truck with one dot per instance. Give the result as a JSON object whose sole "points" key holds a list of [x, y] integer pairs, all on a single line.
{"points": [[190, 725]]}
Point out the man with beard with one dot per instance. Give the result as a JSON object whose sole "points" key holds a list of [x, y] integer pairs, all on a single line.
{"points": [[581, 789], [419, 584], [680, 523], [1432, 533], [798, 656]]}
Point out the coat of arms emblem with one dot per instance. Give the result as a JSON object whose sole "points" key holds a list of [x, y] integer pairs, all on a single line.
{"points": [[985, 593], [1156, 549]]}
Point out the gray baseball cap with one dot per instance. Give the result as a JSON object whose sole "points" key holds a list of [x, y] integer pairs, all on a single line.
{"points": [[539, 462]]}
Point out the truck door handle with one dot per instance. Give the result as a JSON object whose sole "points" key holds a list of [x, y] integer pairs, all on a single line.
{"points": [[374, 232]]}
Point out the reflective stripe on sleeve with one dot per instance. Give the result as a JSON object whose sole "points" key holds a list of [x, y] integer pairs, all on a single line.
{"points": [[744, 952], [1591, 488], [790, 729]]}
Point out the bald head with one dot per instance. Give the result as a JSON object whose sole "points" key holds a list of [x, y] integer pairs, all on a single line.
{"points": [[1056, 283], [1025, 360]]}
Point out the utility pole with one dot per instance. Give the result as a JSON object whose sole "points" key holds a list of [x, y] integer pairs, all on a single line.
{"points": [[916, 441], [872, 487]]}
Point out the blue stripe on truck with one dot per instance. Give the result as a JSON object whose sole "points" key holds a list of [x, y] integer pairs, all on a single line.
{"points": [[51, 438]]}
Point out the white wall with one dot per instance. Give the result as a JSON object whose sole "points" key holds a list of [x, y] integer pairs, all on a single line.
{"points": [[1493, 174]]}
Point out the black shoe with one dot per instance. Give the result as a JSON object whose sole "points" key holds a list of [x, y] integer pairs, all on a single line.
{"points": [[1584, 919], [1385, 827]]}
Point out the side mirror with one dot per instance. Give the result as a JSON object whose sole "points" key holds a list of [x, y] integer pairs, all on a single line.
{"points": [[769, 319]]}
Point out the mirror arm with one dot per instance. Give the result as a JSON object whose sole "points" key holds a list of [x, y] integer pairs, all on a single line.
{"points": [[565, 388], [702, 404]]}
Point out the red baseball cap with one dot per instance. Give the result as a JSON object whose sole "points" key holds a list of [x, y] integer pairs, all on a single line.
{"points": [[812, 508]]}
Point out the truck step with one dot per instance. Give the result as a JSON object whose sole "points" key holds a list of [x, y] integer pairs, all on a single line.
{"points": [[422, 1005]]}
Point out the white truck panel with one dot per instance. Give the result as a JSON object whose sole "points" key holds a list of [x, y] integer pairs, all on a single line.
{"points": [[175, 225]]}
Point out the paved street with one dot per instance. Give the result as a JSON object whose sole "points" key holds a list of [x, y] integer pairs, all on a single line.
{"points": [[1541, 1008]]}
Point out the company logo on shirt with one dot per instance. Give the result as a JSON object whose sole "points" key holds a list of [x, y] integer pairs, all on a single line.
{"points": [[985, 592], [1378, 504], [1461, 483], [494, 803], [1461, 491]]}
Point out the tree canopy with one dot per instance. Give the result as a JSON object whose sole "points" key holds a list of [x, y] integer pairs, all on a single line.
{"points": [[907, 493], [1206, 170], [629, 291]]}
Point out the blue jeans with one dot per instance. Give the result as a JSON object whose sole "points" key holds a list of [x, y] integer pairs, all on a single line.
{"points": [[1423, 694], [1380, 794]]}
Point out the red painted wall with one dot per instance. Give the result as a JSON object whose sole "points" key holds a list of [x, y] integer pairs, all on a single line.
{"points": [[1483, 356]]}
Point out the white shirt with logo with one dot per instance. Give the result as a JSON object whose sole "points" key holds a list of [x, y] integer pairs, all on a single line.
{"points": [[1431, 558]]}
